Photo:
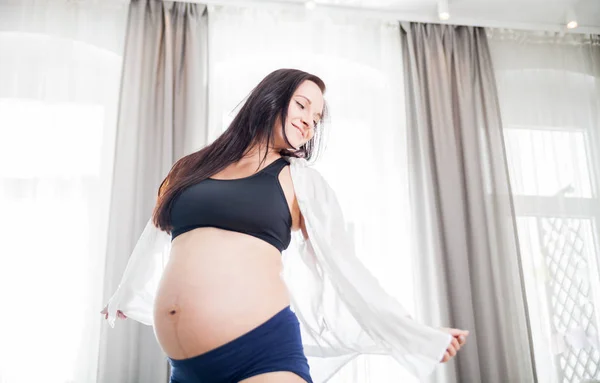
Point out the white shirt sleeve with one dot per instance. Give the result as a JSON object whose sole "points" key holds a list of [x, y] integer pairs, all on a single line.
{"points": [[136, 292], [347, 311]]}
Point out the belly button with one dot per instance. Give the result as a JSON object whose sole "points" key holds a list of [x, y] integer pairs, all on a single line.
{"points": [[174, 310]]}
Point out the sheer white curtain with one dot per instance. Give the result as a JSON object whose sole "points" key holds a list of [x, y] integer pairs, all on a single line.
{"points": [[549, 91], [60, 69], [365, 158]]}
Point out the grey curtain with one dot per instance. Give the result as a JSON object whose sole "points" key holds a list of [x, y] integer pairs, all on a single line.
{"points": [[162, 116], [468, 261]]}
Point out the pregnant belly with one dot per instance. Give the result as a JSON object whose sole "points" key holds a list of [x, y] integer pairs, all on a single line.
{"points": [[217, 286]]}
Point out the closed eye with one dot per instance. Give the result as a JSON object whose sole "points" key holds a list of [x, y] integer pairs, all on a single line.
{"points": [[300, 105]]}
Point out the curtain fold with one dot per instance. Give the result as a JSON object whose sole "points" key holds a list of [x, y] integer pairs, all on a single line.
{"points": [[162, 116], [467, 255]]}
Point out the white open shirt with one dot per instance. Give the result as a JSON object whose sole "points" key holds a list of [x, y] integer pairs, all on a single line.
{"points": [[342, 309]]}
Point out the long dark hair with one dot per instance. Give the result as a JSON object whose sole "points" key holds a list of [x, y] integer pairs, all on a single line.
{"points": [[253, 125]]}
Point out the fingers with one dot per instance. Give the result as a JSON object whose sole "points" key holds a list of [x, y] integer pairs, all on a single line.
{"points": [[459, 338], [460, 335], [449, 354], [452, 350], [458, 332], [446, 357], [455, 345], [105, 312], [120, 314]]}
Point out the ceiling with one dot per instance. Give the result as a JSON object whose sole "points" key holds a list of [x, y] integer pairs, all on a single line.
{"points": [[517, 14]]}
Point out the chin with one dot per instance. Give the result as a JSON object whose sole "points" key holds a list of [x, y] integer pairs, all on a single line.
{"points": [[295, 145]]}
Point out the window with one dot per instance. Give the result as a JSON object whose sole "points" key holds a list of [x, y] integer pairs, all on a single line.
{"points": [[555, 192], [58, 109]]}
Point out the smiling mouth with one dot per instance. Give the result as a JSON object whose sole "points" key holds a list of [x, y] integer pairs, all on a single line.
{"points": [[300, 130]]}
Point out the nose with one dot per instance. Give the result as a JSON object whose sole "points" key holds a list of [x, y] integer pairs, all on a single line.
{"points": [[306, 123], [307, 129]]}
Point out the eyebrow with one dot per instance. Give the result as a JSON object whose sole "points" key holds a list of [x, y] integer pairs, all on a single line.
{"points": [[310, 102]]}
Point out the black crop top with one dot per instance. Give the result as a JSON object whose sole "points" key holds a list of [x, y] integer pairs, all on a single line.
{"points": [[254, 205]]}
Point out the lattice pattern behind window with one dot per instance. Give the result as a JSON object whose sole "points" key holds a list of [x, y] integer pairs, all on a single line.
{"points": [[570, 297]]}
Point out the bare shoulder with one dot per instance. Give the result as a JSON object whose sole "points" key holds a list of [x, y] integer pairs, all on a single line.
{"points": [[285, 179]]}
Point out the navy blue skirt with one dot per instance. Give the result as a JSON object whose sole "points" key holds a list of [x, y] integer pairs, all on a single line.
{"points": [[275, 345]]}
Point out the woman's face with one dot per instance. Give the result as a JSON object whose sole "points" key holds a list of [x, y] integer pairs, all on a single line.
{"points": [[304, 113]]}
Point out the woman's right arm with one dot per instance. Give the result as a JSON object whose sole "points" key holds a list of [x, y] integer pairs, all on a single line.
{"points": [[134, 297]]}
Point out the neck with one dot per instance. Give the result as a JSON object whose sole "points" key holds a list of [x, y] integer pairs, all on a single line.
{"points": [[256, 153]]}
